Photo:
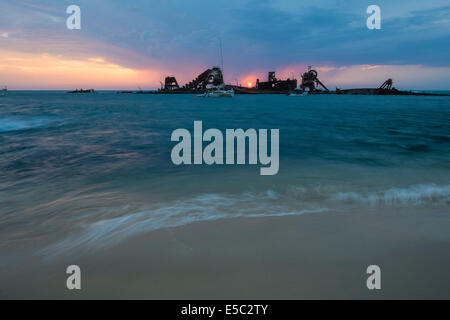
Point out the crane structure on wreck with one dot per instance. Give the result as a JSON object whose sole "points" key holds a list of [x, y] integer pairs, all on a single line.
{"points": [[311, 81], [210, 77], [387, 85]]}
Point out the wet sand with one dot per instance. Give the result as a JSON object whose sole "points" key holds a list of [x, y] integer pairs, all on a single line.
{"points": [[312, 256]]}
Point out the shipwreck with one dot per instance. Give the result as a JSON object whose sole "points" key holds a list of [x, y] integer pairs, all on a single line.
{"points": [[310, 84]]}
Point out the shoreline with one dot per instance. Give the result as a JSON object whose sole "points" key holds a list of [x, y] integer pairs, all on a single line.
{"points": [[311, 256]]}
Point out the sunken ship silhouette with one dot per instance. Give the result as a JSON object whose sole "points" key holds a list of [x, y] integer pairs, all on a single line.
{"points": [[310, 83]]}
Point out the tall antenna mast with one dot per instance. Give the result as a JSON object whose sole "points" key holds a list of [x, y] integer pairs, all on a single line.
{"points": [[221, 54]]}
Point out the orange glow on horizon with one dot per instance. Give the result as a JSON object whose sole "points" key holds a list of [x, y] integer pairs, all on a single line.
{"points": [[21, 70]]}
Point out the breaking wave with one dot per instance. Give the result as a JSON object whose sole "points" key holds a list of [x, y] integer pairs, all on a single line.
{"points": [[207, 207], [414, 195]]}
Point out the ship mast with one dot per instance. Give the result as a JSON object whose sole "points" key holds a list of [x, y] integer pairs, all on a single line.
{"points": [[221, 53], [221, 59]]}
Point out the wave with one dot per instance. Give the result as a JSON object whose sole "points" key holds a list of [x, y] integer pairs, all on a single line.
{"points": [[209, 207], [414, 195], [10, 124], [206, 207]]}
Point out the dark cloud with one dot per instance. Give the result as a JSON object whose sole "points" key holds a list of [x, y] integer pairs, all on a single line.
{"points": [[256, 33]]}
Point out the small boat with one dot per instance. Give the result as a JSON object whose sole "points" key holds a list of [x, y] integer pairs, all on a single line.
{"points": [[219, 92], [297, 94], [4, 91]]}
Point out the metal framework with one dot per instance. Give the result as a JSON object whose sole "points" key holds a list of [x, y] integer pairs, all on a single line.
{"points": [[311, 81]]}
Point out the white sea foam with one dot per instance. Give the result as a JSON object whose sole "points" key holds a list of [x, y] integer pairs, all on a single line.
{"points": [[207, 207], [12, 124], [415, 195]]}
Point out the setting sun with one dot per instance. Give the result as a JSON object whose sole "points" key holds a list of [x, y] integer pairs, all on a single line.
{"points": [[249, 84]]}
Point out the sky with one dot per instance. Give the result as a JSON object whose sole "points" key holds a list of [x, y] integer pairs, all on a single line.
{"points": [[126, 44]]}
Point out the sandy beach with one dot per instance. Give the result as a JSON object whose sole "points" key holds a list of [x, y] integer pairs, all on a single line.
{"points": [[313, 256]]}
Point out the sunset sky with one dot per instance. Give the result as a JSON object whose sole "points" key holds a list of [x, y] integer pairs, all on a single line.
{"points": [[131, 44]]}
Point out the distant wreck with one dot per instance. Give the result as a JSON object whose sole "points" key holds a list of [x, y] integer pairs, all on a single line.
{"points": [[385, 89], [310, 83], [83, 91]]}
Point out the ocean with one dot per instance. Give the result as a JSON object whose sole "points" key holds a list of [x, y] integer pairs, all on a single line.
{"points": [[83, 173]]}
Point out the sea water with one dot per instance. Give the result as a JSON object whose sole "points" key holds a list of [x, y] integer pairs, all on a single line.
{"points": [[80, 172]]}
